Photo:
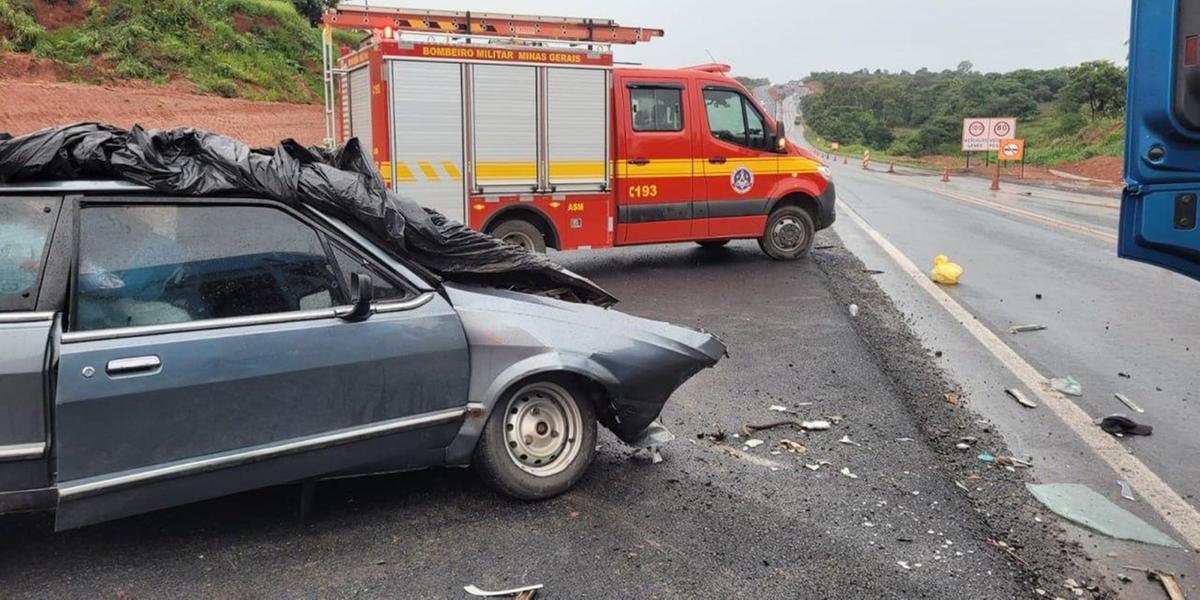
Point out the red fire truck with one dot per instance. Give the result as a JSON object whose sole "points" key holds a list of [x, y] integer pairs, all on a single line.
{"points": [[520, 126]]}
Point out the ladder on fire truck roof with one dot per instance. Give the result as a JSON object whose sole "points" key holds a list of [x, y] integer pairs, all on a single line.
{"points": [[461, 24]]}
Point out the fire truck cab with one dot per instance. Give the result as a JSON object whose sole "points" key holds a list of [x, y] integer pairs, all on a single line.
{"points": [[521, 127]]}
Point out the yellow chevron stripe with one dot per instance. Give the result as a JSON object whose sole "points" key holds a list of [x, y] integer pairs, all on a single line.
{"points": [[428, 170], [451, 170]]}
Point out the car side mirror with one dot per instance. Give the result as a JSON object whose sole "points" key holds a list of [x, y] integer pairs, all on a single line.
{"points": [[362, 294], [780, 138]]}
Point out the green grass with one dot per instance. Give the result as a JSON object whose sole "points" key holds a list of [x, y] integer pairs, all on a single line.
{"points": [[22, 32], [275, 55]]}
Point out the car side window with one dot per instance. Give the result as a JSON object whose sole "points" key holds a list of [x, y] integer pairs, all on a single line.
{"points": [[656, 109], [25, 227], [725, 119], [732, 118], [756, 129], [158, 264], [385, 285]]}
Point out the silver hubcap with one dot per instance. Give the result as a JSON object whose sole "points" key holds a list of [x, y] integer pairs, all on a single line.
{"points": [[788, 234], [517, 238], [542, 426]]}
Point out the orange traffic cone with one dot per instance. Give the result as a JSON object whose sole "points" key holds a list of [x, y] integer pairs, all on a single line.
{"points": [[845, 161], [946, 175], [891, 167]]}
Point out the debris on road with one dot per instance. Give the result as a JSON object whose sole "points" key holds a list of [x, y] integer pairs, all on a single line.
{"points": [[521, 592], [1120, 425], [853, 310], [1124, 375], [1067, 385], [1166, 580], [873, 271], [963, 446], [987, 458], [951, 398], [778, 408], [1025, 328], [753, 443], [846, 471], [944, 271], [1002, 545], [1126, 491], [846, 440], [750, 428], [1016, 394], [905, 439], [1127, 402], [904, 565], [792, 446], [716, 436], [1005, 461], [1080, 504]]}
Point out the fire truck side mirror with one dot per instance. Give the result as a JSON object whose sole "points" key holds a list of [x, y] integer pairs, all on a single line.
{"points": [[780, 138]]}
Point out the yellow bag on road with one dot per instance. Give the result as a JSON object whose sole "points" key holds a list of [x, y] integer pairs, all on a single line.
{"points": [[944, 271]]}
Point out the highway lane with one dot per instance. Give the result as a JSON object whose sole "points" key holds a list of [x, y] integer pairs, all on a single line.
{"points": [[1045, 256]]}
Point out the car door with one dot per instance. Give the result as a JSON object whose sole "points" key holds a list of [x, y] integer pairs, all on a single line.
{"points": [[739, 167], [206, 354], [655, 187], [27, 227], [1162, 139]]}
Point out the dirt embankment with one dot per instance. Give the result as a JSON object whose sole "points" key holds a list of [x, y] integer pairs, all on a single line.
{"points": [[31, 100]]}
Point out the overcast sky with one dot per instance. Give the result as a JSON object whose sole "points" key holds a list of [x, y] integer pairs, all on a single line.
{"points": [[787, 40]]}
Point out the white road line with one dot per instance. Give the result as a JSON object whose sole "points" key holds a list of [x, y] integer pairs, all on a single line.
{"points": [[1164, 500]]}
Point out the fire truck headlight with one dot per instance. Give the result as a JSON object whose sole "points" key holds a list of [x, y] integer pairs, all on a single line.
{"points": [[825, 172]]}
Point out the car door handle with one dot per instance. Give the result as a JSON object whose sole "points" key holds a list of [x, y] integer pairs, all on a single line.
{"points": [[639, 161], [717, 160], [136, 364]]}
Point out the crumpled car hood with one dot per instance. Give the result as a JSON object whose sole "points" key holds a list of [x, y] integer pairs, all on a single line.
{"points": [[639, 362]]}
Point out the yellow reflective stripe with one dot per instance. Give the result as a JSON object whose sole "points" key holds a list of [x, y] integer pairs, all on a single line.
{"points": [[577, 169], [520, 171], [428, 170], [403, 173], [451, 170]]}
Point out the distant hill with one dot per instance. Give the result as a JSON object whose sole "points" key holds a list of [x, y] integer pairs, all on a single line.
{"points": [[1065, 115], [253, 49]]}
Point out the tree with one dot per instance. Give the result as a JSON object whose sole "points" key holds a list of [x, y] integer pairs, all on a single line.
{"points": [[965, 66], [752, 82], [313, 9], [1099, 84]]}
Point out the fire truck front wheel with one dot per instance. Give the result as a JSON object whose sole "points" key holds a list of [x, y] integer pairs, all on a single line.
{"points": [[789, 233], [520, 232]]}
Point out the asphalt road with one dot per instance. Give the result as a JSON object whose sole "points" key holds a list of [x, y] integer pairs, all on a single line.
{"points": [[918, 519], [1034, 255]]}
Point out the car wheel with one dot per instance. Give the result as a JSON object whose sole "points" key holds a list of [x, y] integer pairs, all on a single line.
{"points": [[520, 232], [539, 439], [710, 244], [789, 234]]}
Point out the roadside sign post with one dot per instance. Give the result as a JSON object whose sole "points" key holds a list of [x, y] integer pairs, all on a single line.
{"points": [[1010, 150], [983, 134]]}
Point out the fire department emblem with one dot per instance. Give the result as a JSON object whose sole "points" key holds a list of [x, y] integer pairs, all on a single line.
{"points": [[741, 180]]}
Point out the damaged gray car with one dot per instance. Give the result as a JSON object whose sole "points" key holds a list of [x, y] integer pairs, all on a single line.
{"points": [[160, 349]]}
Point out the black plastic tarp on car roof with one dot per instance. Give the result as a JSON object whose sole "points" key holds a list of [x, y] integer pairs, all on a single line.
{"points": [[344, 183]]}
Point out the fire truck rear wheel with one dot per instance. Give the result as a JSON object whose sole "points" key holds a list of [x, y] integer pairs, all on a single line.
{"points": [[520, 232], [789, 233]]}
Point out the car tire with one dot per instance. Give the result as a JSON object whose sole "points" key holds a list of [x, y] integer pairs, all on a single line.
{"points": [[789, 233], [558, 442], [520, 232], [712, 244]]}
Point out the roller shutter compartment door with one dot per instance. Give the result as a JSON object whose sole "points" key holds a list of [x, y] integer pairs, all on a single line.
{"points": [[577, 119], [427, 134], [504, 111], [360, 108]]}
